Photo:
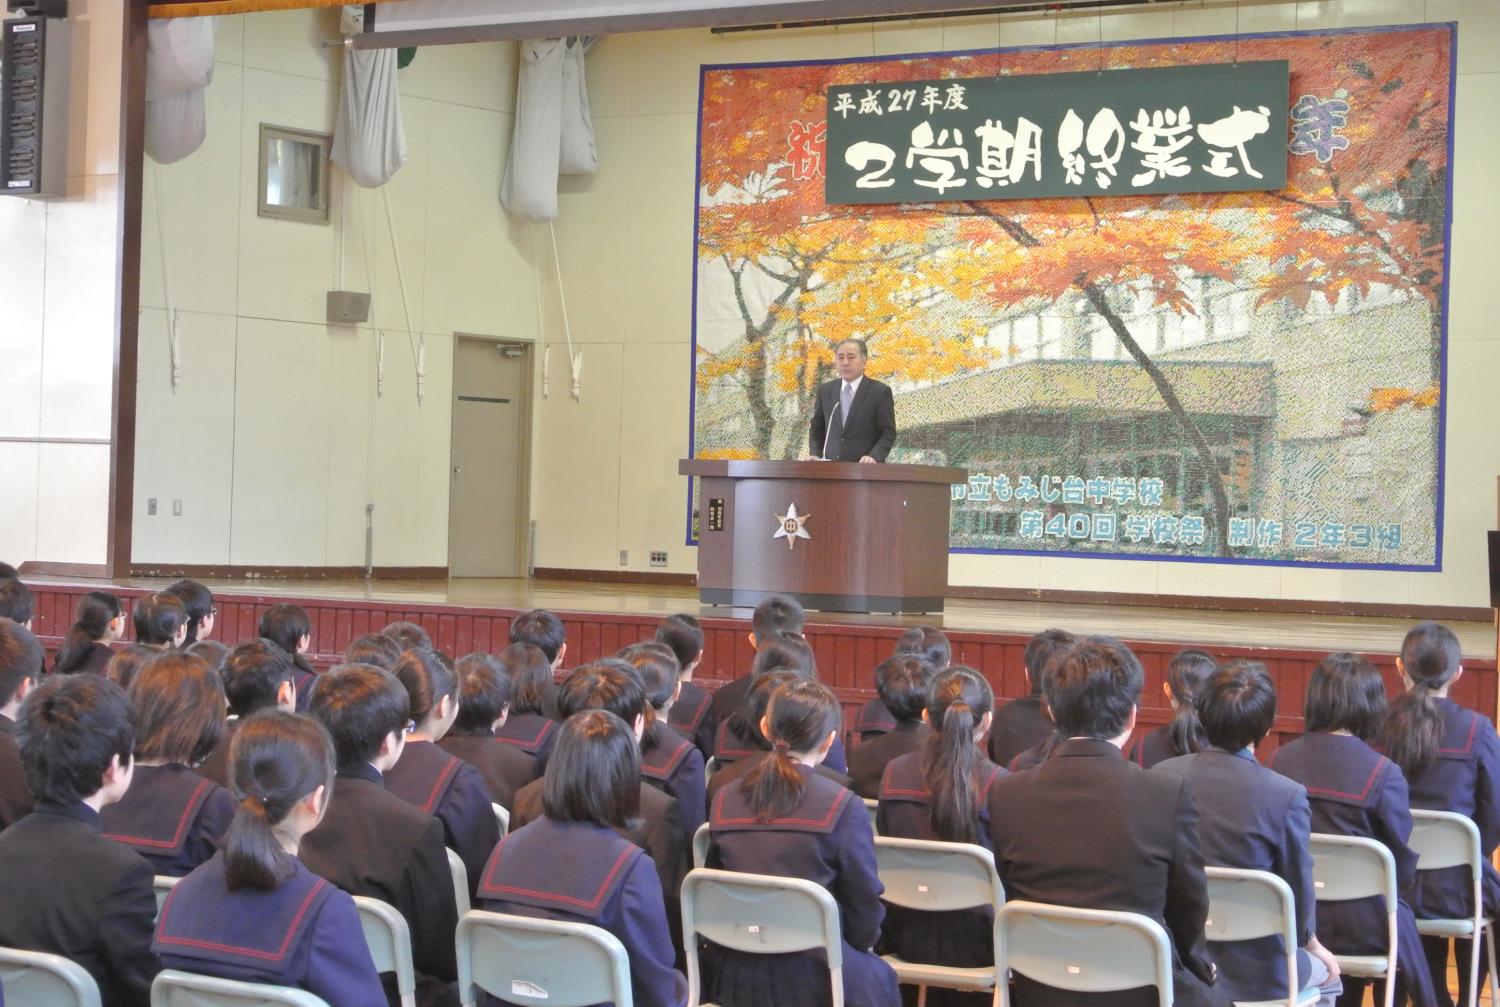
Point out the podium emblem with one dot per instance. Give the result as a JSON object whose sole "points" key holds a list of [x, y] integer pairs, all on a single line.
{"points": [[789, 526]]}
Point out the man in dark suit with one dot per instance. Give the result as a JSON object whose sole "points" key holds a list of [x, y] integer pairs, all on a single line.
{"points": [[1088, 829], [855, 416], [66, 889]]}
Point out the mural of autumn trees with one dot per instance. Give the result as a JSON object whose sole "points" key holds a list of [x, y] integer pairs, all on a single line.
{"points": [[1274, 359]]}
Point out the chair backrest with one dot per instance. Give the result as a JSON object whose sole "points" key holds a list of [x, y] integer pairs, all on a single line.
{"points": [[163, 886], [1352, 867], [389, 940], [1244, 905], [460, 882], [502, 817], [758, 914], [1444, 839], [35, 979], [1083, 950], [548, 963], [700, 845], [182, 989], [873, 807], [937, 877], [710, 768]]}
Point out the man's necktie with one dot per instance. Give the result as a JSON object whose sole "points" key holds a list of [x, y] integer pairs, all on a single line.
{"points": [[836, 428]]}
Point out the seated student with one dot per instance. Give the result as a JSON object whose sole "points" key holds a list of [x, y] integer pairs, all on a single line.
{"points": [[669, 761], [127, 662], [776, 614], [407, 636], [429, 778], [941, 791], [212, 652], [1089, 829], [199, 603], [16, 603], [1355, 791], [483, 705], [20, 669], [257, 675], [926, 642], [1451, 759], [375, 648], [761, 691], [574, 862], [253, 912], [1182, 735], [902, 682], [98, 621], [289, 627], [737, 737], [785, 819], [66, 889], [172, 816], [529, 726], [370, 841], [690, 717], [160, 621], [544, 631], [1253, 819], [1023, 723]]}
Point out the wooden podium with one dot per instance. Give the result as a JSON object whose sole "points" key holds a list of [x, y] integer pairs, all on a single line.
{"points": [[837, 536]]}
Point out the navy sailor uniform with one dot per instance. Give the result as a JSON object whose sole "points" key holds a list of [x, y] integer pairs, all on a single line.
{"points": [[873, 720], [826, 839], [1356, 791], [15, 796], [453, 792], [741, 768], [304, 934], [505, 768], [672, 764], [532, 733], [1151, 748], [172, 816], [1017, 726], [728, 699], [585, 873], [731, 745], [868, 761], [690, 718]]}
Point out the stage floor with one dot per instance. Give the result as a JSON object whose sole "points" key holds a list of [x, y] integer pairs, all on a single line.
{"points": [[1240, 629]]}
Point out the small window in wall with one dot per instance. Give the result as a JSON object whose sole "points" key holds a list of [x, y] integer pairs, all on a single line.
{"points": [[294, 174]]}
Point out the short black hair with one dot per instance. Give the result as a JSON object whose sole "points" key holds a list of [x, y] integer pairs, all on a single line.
{"points": [[8, 572], [285, 625], [684, 634], [542, 630], [483, 692], [789, 651], [359, 704], [657, 667], [594, 772], [902, 682], [197, 599], [374, 648], [157, 618], [530, 677], [1237, 705], [1040, 650], [1093, 687], [16, 603], [20, 658], [928, 643], [69, 729], [253, 673], [1345, 693], [610, 684], [407, 635], [777, 614]]}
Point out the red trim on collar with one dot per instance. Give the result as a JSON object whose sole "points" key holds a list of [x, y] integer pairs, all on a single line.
{"points": [[1380, 765], [489, 887], [194, 802], [833, 812], [286, 940], [440, 785], [721, 745], [535, 742], [659, 770], [698, 713], [1469, 744]]}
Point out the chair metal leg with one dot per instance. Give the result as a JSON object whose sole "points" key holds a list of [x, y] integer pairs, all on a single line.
{"points": [[1473, 967], [921, 996], [1489, 942]]}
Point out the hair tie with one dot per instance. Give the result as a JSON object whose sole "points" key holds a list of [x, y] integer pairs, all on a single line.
{"points": [[780, 747]]}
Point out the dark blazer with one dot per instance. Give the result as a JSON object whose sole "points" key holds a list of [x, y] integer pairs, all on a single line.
{"points": [[67, 890], [15, 796], [1258, 820], [1087, 828], [1017, 726], [868, 759], [728, 699], [505, 768], [690, 717], [869, 429], [172, 816], [373, 843], [453, 792], [305, 934], [1151, 748]]}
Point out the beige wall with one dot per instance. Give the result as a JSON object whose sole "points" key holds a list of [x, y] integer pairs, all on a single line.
{"points": [[57, 322]]}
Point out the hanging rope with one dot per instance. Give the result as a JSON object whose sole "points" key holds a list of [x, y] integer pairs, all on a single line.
{"points": [[419, 348], [575, 360], [174, 346]]}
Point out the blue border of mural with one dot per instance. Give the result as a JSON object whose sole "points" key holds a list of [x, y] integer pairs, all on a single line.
{"points": [[1452, 26]]}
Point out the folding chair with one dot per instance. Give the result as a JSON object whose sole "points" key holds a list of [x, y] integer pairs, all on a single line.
{"points": [[1353, 867], [710, 768], [546, 963], [183, 989], [700, 846], [873, 807], [502, 817], [389, 940], [1082, 950], [757, 914], [163, 886], [1246, 905], [460, 882], [938, 877], [1443, 839], [35, 979]]}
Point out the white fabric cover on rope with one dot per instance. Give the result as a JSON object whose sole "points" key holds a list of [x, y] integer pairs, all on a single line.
{"points": [[179, 66], [553, 132], [369, 141]]}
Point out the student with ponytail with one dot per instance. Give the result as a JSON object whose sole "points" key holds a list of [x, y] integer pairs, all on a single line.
{"points": [[940, 791], [1451, 759], [785, 819], [98, 621], [253, 912], [201, 612], [761, 691], [1182, 735], [289, 627], [440, 784]]}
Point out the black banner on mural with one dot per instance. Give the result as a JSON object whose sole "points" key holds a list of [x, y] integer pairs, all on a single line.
{"points": [[1219, 127]]}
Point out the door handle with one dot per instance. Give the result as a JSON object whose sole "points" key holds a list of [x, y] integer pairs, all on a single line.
{"points": [[457, 469]]}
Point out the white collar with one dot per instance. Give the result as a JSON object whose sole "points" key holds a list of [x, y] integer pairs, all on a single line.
{"points": [[853, 385]]}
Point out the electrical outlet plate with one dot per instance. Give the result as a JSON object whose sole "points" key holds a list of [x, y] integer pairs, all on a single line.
{"points": [[151, 506], [658, 558], [624, 557]]}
